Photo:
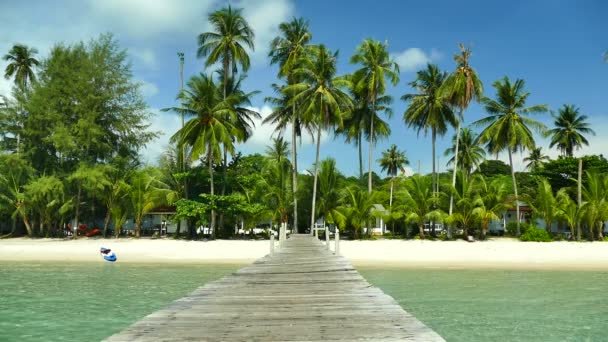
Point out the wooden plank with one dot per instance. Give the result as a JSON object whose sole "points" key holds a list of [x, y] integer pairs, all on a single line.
{"points": [[300, 293]]}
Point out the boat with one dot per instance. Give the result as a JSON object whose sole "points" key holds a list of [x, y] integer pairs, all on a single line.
{"points": [[107, 254]]}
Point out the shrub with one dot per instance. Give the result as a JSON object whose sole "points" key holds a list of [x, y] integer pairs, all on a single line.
{"points": [[512, 228], [535, 234]]}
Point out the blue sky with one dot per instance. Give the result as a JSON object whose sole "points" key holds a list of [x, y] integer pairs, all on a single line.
{"points": [[555, 46]]}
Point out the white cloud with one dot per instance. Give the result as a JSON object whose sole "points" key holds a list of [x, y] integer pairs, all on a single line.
{"points": [[147, 57], [413, 59], [146, 18], [264, 18], [148, 89], [167, 123]]}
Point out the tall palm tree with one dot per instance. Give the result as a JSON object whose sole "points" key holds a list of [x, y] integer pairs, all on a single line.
{"points": [[507, 127], [376, 66], [277, 153], [209, 127], [536, 159], [470, 153], [569, 128], [287, 51], [358, 124], [461, 87], [392, 161], [226, 43], [429, 109], [21, 64], [322, 99]]}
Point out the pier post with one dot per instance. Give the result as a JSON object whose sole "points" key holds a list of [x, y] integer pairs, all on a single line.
{"points": [[271, 244], [337, 245], [327, 237]]}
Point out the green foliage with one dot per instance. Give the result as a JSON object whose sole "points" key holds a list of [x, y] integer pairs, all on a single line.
{"points": [[535, 234], [563, 171], [490, 168], [511, 229]]}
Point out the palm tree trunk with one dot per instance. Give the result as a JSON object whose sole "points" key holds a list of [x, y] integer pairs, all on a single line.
{"points": [[455, 161], [371, 145], [390, 206], [434, 138], [106, 222], [517, 231], [359, 141], [314, 186], [225, 166], [76, 226], [579, 198], [210, 162], [294, 171]]}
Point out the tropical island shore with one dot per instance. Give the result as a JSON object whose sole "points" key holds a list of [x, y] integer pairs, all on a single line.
{"points": [[498, 253]]}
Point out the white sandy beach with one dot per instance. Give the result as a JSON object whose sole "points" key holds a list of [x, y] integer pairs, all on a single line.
{"points": [[499, 253]]}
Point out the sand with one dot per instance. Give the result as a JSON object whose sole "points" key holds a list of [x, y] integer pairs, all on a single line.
{"points": [[497, 253]]}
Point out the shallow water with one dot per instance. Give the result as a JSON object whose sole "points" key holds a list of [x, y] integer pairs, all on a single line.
{"points": [[505, 305], [88, 302]]}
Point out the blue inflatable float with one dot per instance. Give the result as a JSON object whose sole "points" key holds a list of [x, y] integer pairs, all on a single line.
{"points": [[107, 254]]}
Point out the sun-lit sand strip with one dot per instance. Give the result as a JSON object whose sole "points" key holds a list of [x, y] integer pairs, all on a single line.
{"points": [[499, 253]]}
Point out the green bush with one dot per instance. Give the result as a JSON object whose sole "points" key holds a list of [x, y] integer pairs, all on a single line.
{"points": [[535, 234], [512, 228]]}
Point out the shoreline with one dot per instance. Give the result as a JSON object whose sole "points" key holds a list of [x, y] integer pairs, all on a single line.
{"points": [[503, 253]]}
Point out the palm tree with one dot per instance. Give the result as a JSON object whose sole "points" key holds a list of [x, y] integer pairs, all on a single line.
{"points": [[470, 154], [277, 153], [226, 43], [544, 203], [392, 161], [429, 109], [370, 79], [569, 128], [420, 201], [329, 192], [358, 124], [568, 211], [322, 99], [506, 127], [536, 159], [595, 206], [491, 201], [287, 51], [461, 87], [465, 194], [209, 128], [21, 64], [356, 208]]}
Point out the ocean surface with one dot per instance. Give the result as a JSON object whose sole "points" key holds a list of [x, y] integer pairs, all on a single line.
{"points": [[58, 301]]}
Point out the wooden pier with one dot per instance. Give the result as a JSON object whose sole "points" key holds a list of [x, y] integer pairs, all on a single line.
{"points": [[302, 292]]}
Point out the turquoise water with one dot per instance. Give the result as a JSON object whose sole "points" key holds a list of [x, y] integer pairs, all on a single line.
{"points": [[88, 302], [91, 301], [504, 305]]}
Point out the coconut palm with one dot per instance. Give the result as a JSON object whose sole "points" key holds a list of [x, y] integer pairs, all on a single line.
{"points": [[465, 193], [420, 201], [544, 203], [21, 64], [536, 159], [568, 211], [461, 87], [470, 153], [507, 127], [277, 153], [356, 209], [392, 161], [429, 109], [322, 99], [357, 126], [329, 192], [370, 79], [209, 128], [287, 51], [595, 203], [570, 126], [491, 200], [227, 42]]}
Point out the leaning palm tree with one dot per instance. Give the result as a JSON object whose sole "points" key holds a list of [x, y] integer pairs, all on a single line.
{"points": [[470, 153], [21, 64], [392, 161], [429, 109], [322, 99], [287, 51], [461, 87], [376, 66], [536, 159], [209, 128], [506, 127], [570, 126]]}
